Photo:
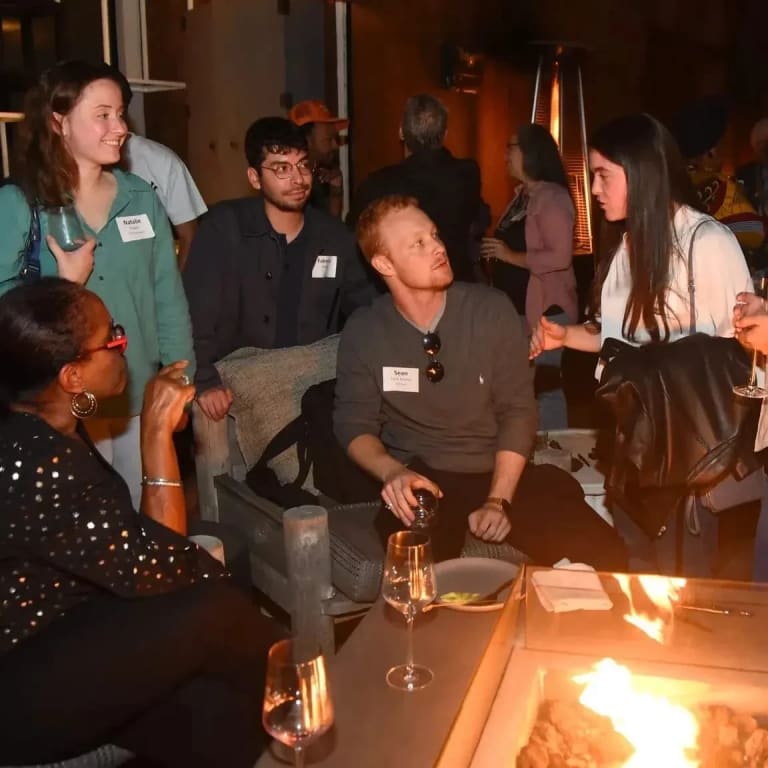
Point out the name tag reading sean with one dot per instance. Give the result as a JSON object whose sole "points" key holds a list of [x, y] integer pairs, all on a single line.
{"points": [[324, 266], [400, 379], [136, 227]]}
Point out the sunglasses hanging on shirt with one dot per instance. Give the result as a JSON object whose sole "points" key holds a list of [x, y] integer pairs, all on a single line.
{"points": [[434, 371]]}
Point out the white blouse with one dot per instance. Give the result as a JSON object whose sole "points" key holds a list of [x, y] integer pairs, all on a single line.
{"points": [[720, 272]]}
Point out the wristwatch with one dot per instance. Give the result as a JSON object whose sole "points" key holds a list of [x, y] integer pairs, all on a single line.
{"points": [[505, 505]]}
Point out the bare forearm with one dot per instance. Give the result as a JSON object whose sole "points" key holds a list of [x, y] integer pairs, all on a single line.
{"points": [[516, 258], [507, 470], [184, 233], [165, 504], [368, 452], [584, 338]]}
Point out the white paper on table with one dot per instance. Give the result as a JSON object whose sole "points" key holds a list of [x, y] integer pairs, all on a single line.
{"points": [[571, 587]]}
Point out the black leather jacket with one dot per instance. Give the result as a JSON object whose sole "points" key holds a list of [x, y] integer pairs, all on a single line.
{"points": [[678, 423]]}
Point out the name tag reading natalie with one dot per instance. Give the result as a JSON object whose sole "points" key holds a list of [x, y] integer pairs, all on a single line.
{"points": [[136, 227], [400, 379], [324, 266]]}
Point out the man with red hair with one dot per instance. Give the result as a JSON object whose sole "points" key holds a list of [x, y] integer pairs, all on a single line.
{"points": [[434, 390]]}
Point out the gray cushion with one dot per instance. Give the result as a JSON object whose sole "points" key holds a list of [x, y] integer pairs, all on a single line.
{"points": [[268, 385], [108, 756], [357, 555]]}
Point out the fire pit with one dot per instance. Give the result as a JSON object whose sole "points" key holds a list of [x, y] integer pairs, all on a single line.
{"points": [[616, 718], [667, 674]]}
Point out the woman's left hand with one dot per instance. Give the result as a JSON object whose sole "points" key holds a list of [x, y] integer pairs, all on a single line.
{"points": [[752, 332], [166, 397], [493, 248]]}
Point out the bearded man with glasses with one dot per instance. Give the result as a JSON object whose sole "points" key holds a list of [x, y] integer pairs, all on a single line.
{"points": [[434, 391], [268, 271]]}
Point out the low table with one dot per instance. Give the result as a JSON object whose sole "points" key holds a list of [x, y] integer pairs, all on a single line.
{"points": [[377, 726]]}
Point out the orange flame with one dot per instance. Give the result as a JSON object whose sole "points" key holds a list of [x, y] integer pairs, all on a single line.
{"points": [[663, 592], [663, 734]]}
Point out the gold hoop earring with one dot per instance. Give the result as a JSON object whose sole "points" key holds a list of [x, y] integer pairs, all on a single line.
{"points": [[82, 410]]}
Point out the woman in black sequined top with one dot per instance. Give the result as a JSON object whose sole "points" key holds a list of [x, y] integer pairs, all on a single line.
{"points": [[113, 627]]}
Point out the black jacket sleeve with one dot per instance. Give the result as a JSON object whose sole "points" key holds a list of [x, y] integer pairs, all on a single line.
{"points": [[358, 288], [204, 281]]}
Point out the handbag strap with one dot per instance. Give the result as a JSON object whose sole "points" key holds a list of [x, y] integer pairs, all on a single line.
{"points": [[30, 262], [692, 281]]}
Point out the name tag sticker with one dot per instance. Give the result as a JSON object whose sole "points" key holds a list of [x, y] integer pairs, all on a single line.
{"points": [[400, 379], [324, 266], [135, 227]]}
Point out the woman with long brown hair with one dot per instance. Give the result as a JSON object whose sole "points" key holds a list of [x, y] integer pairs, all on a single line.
{"points": [[640, 183], [70, 142], [642, 291]]}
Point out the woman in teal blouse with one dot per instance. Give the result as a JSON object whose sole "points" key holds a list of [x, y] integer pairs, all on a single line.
{"points": [[70, 141]]}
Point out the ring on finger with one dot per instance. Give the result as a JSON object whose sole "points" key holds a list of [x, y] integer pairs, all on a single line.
{"points": [[184, 380]]}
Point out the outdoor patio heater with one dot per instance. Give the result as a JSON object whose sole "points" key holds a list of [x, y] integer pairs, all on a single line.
{"points": [[558, 105]]}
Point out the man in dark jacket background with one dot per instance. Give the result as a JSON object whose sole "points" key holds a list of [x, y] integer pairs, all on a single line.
{"points": [[447, 188], [268, 271]]}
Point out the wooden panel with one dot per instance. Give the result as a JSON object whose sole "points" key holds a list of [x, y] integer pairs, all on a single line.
{"points": [[235, 72], [504, 103], [395, 53]]}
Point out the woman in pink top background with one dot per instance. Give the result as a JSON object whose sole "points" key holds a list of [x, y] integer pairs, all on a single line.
{"points": [[532, 249]]}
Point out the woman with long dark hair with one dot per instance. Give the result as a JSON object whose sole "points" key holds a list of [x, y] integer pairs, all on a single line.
{"points": [[642, 292], [115, 629], [532, 253], [69, 145], [640, 182]]}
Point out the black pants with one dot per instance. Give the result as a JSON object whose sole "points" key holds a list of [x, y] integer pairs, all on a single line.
{"points": [[550, 519], [177, 679]]}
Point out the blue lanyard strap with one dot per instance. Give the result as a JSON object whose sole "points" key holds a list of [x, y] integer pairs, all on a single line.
{"points": [[30, 267]]}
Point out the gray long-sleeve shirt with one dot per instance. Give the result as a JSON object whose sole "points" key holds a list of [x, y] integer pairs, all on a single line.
{"points": [[484, 403]]}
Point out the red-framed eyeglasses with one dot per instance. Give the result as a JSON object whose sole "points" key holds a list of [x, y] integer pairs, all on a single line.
{"points": [[118, 342]]}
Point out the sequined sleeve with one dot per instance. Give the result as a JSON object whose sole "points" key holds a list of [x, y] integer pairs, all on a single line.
{"points": [[64, 509]]}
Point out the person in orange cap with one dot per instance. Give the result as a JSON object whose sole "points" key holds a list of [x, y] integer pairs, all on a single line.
{"points": [[322, 131]]}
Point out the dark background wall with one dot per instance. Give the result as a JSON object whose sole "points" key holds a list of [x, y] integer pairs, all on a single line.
{"points": [[305, 66], [239, 57], [651, 55]]}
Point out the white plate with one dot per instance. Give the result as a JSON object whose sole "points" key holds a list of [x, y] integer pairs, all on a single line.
{"points": [[474, 574]]}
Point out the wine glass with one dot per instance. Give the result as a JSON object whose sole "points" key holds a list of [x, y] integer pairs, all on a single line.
{"points": [[297, 701], [65, 227], [408, 586], [760, 288]]}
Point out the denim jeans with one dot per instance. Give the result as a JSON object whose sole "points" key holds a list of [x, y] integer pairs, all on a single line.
{"points": [[553, 411]]}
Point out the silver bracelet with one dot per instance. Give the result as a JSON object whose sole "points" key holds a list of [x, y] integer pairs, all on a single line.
{"points": [[161, 481]]}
